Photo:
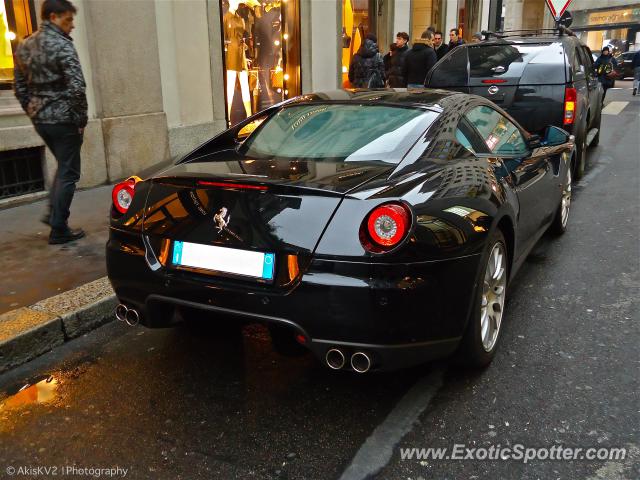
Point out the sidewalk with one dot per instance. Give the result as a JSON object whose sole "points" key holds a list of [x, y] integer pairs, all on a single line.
{"points": [[50, 294], [32, 270]]}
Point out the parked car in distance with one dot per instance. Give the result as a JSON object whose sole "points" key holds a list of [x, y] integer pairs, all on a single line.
{"points": [[376, 229], [625, 65], [540, 80]]}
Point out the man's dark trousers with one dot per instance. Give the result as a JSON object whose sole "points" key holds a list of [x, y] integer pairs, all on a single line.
{"points": [[64, 140]]}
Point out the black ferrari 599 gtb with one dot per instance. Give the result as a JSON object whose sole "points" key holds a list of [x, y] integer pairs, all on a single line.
{"points": [[376, 228]]}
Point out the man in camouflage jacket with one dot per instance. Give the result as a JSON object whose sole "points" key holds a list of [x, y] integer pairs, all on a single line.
{"points": [[51, 89]]}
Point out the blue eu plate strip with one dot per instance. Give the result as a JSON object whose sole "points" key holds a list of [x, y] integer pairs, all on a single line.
{"points": [[267, 267], [177, 253]]}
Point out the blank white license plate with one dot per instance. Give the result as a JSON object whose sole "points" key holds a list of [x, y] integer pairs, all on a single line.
{"points": [[224, 260]]}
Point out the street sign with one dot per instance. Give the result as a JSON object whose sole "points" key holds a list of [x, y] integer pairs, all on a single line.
{"points": [[557, 7]]}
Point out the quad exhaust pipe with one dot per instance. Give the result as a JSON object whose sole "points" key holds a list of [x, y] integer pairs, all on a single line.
{"points": [[360, 361], [335, 359], [128, 315]]}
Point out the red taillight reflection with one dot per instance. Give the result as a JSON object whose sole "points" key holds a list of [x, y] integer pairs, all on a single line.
{"points": [[570, 99], [122, 194], [494, 80], [386, 226]]}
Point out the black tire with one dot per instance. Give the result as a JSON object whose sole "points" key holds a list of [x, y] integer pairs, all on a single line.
{"points": [[581, 155], [596, 140], [284, 342], [559, 224], [471, 352]]}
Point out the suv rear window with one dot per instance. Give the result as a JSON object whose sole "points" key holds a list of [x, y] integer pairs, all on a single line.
{"points": [[524, 63], [451, 71]]}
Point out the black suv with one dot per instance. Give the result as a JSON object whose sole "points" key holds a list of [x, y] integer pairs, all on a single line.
{"points": [[625, 64], [542, 79]]}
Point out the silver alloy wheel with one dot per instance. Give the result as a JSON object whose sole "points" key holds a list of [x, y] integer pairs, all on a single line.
{"points": [[566, 200], [493, 295]]}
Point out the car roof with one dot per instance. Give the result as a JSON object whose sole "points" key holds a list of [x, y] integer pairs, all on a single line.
{"points": [[420, 98]]}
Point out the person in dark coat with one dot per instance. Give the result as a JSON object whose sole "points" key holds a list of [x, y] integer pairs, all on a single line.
{"points": [[387, 59], [605, 67], [52, 91], [454, 39], [420, 59], [395, 77], [439, 46], [367, 67]]}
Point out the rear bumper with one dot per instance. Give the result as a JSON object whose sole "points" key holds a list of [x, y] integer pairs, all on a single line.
{"points": [[402, 314]]}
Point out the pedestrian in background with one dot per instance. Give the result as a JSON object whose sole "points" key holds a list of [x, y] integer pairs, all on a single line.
{"points": [[420, 59], [476, 37], [439, 46], [387, 59], [395, 77], [635, 63], [605, 67], [367, 67], [454, 39], [51, 89]]}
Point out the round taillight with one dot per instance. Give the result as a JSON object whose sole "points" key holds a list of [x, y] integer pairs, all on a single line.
{"points": [[387, 225], [122, 195]]}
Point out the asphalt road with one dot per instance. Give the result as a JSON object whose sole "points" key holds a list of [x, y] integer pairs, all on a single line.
{"points": [[195, 404]]}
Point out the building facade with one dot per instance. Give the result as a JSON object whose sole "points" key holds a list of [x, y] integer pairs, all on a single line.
{"points": [[165, 75], [598, 23]]}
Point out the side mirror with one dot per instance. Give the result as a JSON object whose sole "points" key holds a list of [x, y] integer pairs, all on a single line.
{"points": [[534, 142], [554, 136]]}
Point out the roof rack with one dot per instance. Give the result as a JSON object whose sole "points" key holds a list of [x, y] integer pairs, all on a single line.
{"points": [[559, 30]]}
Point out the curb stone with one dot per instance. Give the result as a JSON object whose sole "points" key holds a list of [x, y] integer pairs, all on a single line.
{"points": [[16, 201], [28, 332]]}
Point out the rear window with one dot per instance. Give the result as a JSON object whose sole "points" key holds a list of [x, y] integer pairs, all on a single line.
{"points": [[522, 63], [339, 132]]}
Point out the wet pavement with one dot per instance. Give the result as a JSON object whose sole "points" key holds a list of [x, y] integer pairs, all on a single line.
{"points": [[189, 403], [39, 270], [199, 402]]}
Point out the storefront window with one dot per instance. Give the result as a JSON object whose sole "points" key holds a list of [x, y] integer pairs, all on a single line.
{"points": [[261, 54], [468, 18], [356, 15], [17, 20], [617, 28], [425, 14]]}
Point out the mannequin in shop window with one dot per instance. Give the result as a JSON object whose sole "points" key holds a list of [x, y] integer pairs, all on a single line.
{"points": [[269, 52], [236, 60]]}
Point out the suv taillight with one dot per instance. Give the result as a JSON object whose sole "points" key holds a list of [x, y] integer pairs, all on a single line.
{"points": [[122, 194], [385, 227], [570, 98]]}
